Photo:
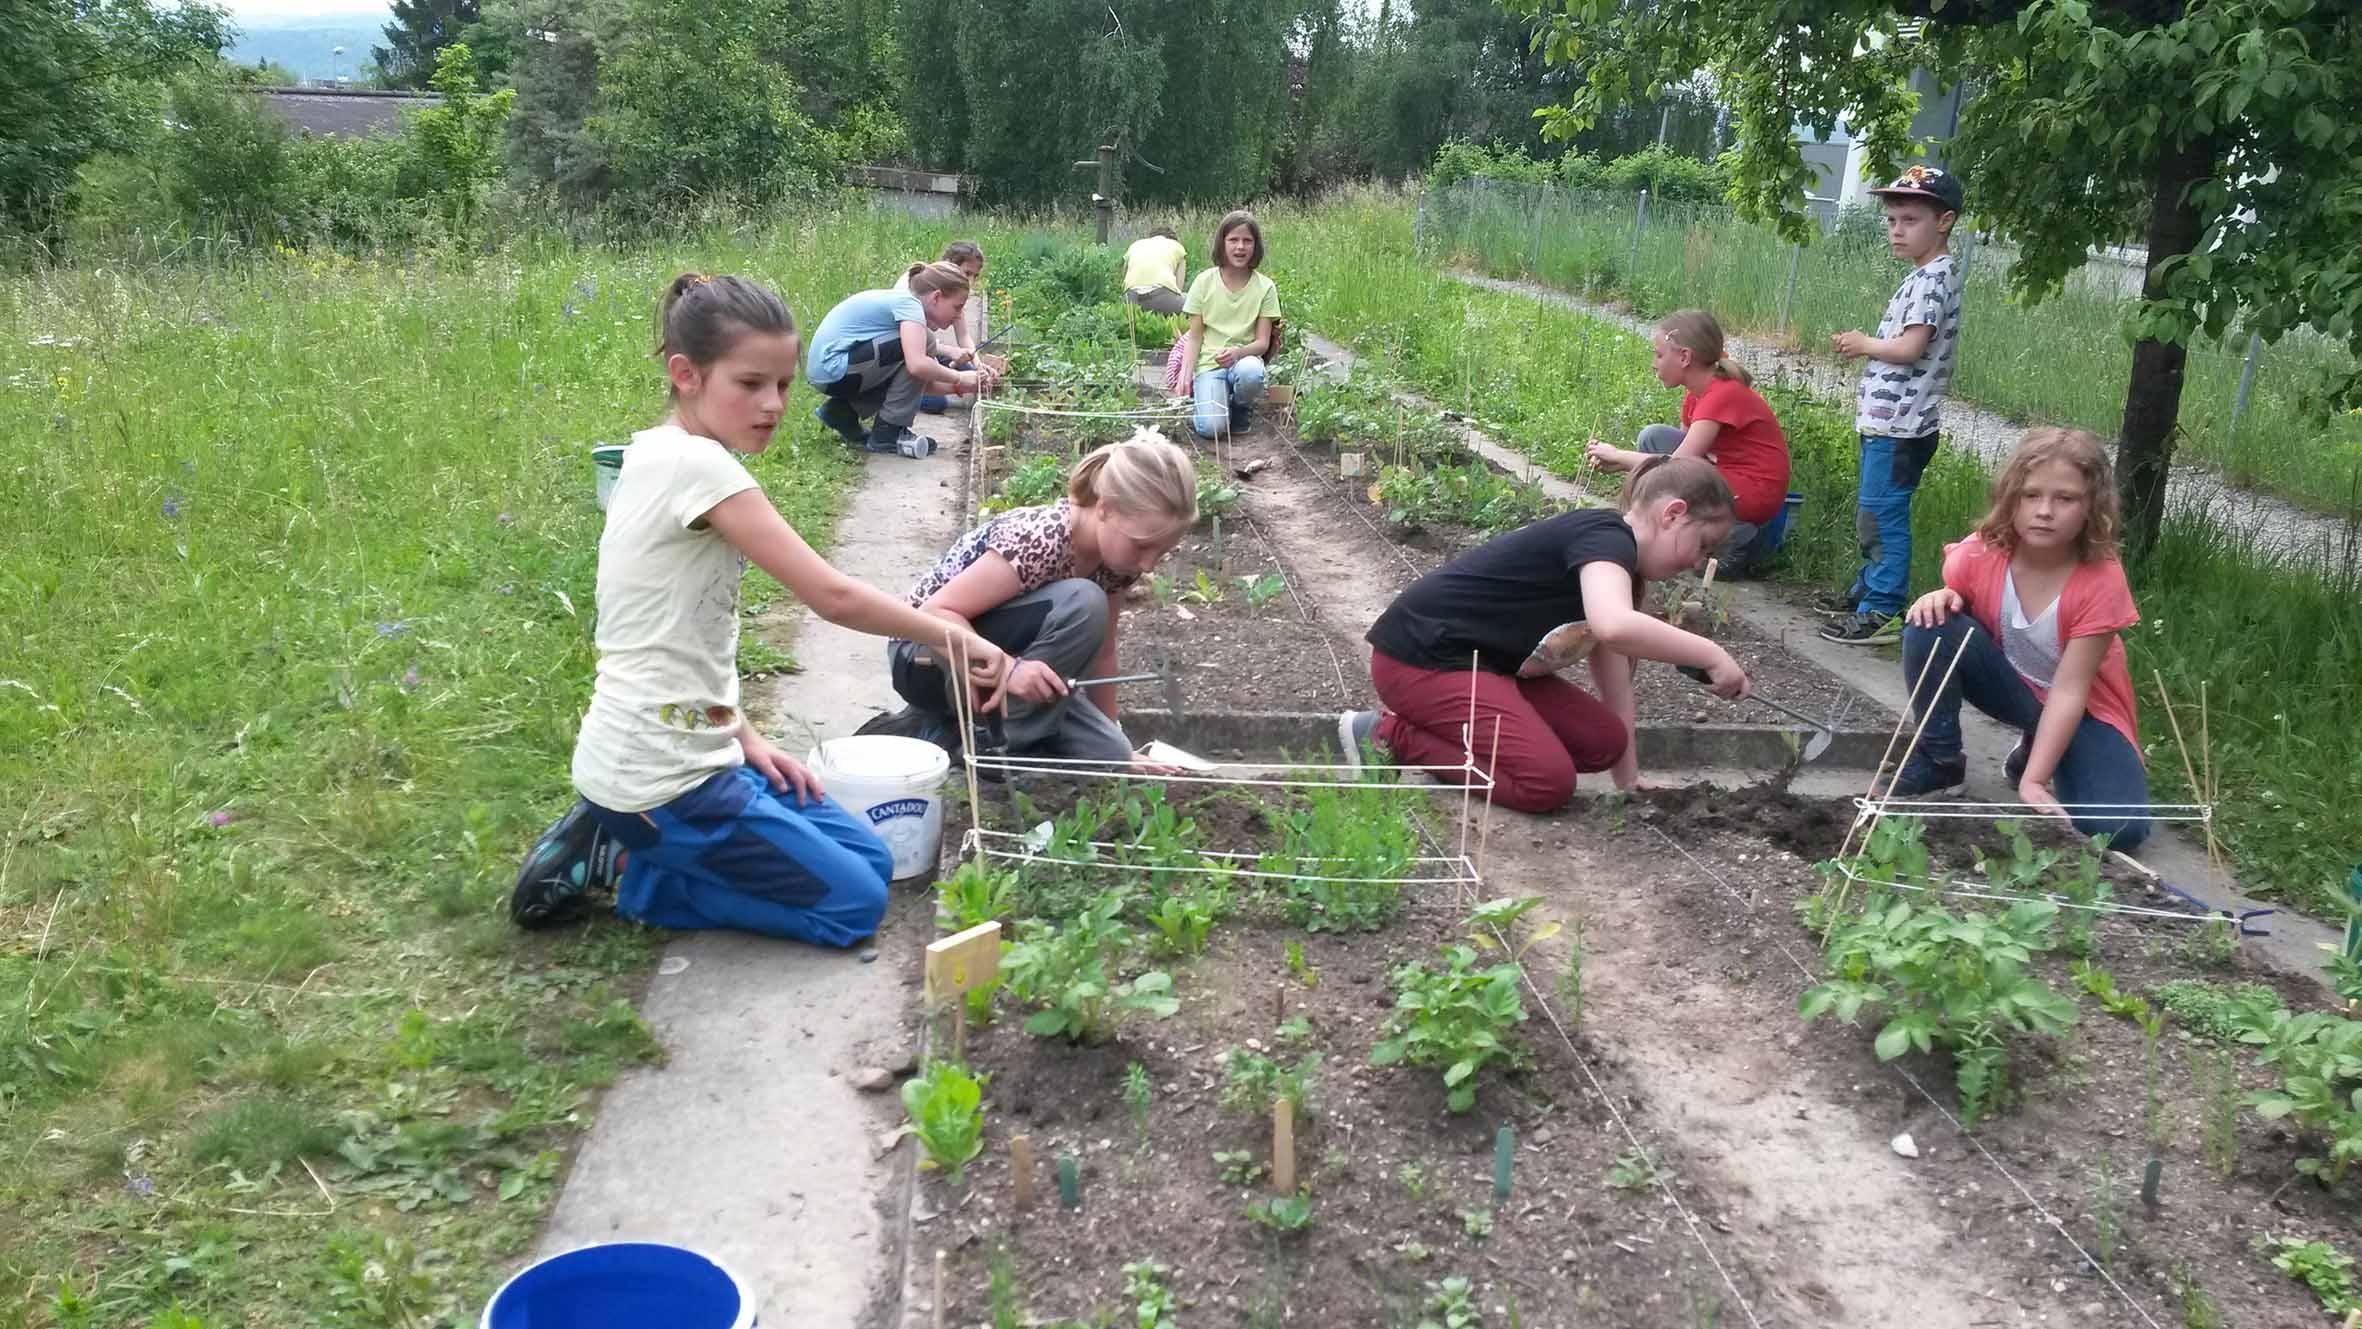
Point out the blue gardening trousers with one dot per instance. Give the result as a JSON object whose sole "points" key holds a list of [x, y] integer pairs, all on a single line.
{"points": [[734, 853], [2100, 780], [1891, 468], [1215, 391]]}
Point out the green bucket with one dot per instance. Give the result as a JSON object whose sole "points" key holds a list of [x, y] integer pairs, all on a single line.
{"points": [[606, 465]]}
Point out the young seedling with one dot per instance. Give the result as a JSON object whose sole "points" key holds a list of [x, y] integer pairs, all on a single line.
{"points": [[1139, 1094], [1477, 1223], [1284, 1214], [1297, 965], [1261, 590], [1451, 1304], [1635, 1170], [1570, 979], [1460, 1016], [1203, 590], [2107, 1218], [2318, 1265], [946, 1107], [1152, 1300], [2218, 1096], [1238, 1167], [1413, 1176], [1253, 1082]]}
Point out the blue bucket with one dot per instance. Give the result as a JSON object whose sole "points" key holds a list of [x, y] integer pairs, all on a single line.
{"points": [[623, 1285], [1775, 531]]}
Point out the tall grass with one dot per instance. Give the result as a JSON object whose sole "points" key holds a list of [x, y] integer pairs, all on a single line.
{"points": [[2279, 646], [2063, 361], [296, 560]]}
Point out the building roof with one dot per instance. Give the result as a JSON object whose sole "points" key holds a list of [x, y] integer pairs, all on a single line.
{"points": [[350, 112]]}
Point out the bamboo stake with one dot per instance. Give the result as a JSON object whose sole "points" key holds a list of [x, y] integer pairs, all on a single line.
{"points": [[942, 1265], [963, 708], [1021, 1170], [1484, 833], [1845, 886], [1283, 1146], [2190, 773], [1910, 708]]}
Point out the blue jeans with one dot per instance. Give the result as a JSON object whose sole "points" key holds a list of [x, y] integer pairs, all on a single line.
{"points": [[734, 853], [2101, 769], [1217, 390], [1891, 468]]}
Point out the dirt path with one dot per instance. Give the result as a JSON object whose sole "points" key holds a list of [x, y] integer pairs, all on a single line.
{"points": [[2276, 526]]}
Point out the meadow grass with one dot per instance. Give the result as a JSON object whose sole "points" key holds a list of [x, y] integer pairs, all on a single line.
{"points": [[2063, 361], [2278, 646], [297, 556]]}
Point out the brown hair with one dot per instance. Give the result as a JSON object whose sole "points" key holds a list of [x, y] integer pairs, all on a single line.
{"points": [[1693, 480], [702, 317], [963, 251], [1144, 475], [928, 278], [2078, 448], [1695, 331], [1165, 231], [1231, 222]]}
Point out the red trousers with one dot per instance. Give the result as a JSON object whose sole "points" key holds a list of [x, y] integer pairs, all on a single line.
{"points": [[1549, 729]]}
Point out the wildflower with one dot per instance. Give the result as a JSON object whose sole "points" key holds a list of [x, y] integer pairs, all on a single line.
{"points": [[506, 519], [139, 1185], [393, 629], [410, 678], [505, 589], [172, 504], [220, 817]]}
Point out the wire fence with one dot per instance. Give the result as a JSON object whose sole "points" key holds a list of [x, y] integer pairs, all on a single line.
{"points": [[2254, 411]]}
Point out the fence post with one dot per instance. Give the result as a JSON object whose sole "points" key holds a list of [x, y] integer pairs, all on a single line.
{"points": [[1533, 262], [1632, 261], [2255, 346], [1419, 228], [1788, 297]]}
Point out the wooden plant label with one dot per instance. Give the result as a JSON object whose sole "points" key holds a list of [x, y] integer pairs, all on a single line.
{"points": [[1021, 1169], [1283, 1146], [962, 961], [1349, 464]]}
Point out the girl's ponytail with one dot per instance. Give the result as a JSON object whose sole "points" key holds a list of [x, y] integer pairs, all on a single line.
{"points": [[1693, 480], [1734, 371], [702, 317], [928, 278], [1695, 331]]}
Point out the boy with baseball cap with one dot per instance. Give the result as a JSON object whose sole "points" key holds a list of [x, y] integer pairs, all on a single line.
{"points": [[1906, 370]]}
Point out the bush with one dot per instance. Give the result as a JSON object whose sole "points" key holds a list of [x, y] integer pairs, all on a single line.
{"points": [[1669, 175]]}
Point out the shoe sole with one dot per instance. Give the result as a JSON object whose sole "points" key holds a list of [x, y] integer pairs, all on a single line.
{"points": [[1879, 638]]}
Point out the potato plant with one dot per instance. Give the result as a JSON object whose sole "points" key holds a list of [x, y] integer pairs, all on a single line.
{"points": [[2318, 1057]]}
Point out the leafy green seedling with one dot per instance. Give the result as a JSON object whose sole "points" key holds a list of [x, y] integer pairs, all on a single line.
{"points": [[1635, 1169], [1203, 590], [1139, 1096], [1304, 972], [1477, 1223], [946, 1107], [1238, 1167], [1460, 1015], [1152, 1300], [1261, 590], [1451, 1304], [1283, 1213], [2318, 1265], [1253, 1082]]}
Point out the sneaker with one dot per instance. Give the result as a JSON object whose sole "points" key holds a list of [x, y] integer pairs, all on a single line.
{"points": [[1242, 417], [1865, 628], [572, 858], [1837, 602], [838, 416], [1357, 732], [1923, 778], [900, 439], [911, 722], [2013, 766]]}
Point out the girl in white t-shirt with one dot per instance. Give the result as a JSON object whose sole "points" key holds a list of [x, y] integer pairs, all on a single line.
{"points": [[687, 811]]}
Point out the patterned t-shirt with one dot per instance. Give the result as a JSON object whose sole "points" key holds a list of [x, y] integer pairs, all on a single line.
{"points": [[1036, 543], [1906, 401]]}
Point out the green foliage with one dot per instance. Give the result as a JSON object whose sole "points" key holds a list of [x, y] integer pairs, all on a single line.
{"points": [[1036, 479], [1262, 589], [1473, 495], [1216, 495], [1477, 1224], [1664, 172], [2321, 1267], [1955, 982], [1460, 1015], [1284, 1214], [1451, 1304], [2216, 1012], [1354, 834], [1139, 1096], [1634, 1170], [420, 32], [2318, 1057], [1238, 1167], [1252, 1082], [1067, 972], [974, 894], [945, 1103], [457, 144], [1152, 1301], [2031, 871]]}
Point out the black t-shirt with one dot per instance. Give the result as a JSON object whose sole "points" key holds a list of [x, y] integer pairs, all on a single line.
{"points": [[1501, 598]]}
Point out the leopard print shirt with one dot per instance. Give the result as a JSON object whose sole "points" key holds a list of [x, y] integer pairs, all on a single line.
{"points": [[1033, 540]]}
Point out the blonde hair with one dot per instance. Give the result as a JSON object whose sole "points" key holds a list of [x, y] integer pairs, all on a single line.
{"points": [[928, 278], [1143, 476], [1695, 331], [1693, 480], [2078, 448]]}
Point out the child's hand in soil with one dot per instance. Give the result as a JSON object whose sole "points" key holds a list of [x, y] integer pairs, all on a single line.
{"points": [[1931, 609]]}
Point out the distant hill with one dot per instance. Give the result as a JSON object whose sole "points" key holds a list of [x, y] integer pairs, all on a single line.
{"points": [[306, 46]]}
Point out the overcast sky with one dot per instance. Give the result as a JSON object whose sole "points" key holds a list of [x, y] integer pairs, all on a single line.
{"points": [[252, 12]]}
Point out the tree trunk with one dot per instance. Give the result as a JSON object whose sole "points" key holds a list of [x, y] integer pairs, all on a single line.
{"points": [[2153, 398]]}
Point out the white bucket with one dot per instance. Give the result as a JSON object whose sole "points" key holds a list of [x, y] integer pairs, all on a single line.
{"points": [[890, 783], [607, 462]]}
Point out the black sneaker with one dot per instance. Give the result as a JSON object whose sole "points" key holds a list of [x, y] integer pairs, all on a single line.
{"points": [[1357, 731], [1837, 602], [1865, 628], [838, 415], [573, 857], [2013, 766], [911, 722], [1242, 418], [900, 439], [1923, 778]]}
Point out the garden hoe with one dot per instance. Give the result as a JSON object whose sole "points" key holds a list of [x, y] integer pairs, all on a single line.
{"points": [[1823, 734]]}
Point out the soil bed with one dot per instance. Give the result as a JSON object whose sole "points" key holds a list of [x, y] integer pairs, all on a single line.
{"points": [[2077, 1134], [1401, 1189]]}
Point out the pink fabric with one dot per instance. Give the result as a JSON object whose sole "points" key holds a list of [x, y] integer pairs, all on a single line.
{"points": [[2097, 602], [1176, 381]]}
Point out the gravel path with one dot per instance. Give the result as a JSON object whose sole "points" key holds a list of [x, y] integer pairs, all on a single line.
{"points": [[2273, 526]]}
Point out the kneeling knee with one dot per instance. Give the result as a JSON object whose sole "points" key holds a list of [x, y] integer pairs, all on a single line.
{"points": [[1542, 788]]}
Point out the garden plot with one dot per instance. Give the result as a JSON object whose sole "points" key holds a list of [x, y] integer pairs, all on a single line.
{"points": [[1147, 1019]]}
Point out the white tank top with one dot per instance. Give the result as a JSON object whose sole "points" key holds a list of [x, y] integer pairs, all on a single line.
{"points": [[2032, 645]]}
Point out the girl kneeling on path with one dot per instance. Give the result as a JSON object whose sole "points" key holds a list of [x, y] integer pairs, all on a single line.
{"points": [[1233, 309], [1526, 605], [869, 358], [1723, 420], [2033, 605], [953, 346], [1036, 583], [687, 811]]}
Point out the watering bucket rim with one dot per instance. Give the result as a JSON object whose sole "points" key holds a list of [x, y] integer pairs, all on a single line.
{"points": [[746, 1301], [932, 762]]}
